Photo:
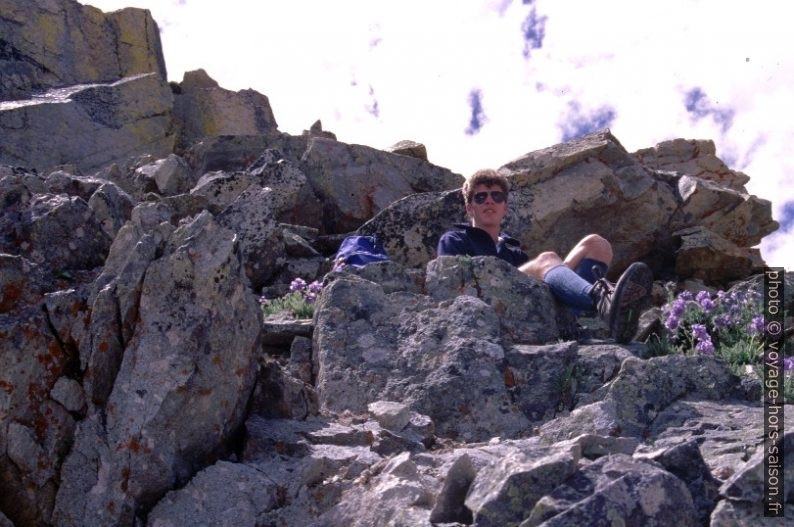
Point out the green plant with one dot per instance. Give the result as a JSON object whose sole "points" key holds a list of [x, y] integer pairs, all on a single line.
{"points": [[729, 325], [299, 302]]}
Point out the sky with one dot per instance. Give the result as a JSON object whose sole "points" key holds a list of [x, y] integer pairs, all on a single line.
{"points": [[482, 82]]}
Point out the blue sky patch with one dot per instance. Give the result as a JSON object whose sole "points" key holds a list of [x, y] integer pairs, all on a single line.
{"points": [[534, 30], [787, 217], [478, 118], [577, 123], [700, 106], [372, 108]]}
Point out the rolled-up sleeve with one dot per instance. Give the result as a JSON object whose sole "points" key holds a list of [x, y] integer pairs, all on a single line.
{"points": [[451, 244]]}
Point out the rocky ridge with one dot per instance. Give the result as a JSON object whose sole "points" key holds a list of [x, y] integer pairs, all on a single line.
{"points": [[140, 385]]}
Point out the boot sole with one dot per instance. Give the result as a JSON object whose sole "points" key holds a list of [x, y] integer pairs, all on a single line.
{"points": [[632, 295]]}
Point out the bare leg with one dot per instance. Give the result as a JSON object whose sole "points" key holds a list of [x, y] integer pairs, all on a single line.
{"points": [[591, 246], [537, 267]]}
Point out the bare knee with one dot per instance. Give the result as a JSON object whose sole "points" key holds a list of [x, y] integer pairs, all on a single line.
{"points": [[596, 247], [537, 267]]}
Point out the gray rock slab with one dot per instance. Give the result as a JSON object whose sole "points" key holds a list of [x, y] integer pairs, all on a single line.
{"points": [[89, 126], [526, 308], [44, 47], [229, 494], [443, 360], [356, 182], [182, 387], [616, 490], [506, 492]]}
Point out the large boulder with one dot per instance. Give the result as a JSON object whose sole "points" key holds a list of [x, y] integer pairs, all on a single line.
{"points": [[88, 125], [450, 368], [739, 217], [505, 492], [56, 231], [695, 158], [525, 306], [356, 182], [589, 185], [238, 152], [706, 255], [411, 227], [617, 490], [47, 44], [168, 176], [642, 390], [231, 494], [182, 386], [35, 430], [203, 109], [251, 217]]}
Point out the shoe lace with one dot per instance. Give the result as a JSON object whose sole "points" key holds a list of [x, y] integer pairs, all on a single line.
{"points": [[602, 290]]}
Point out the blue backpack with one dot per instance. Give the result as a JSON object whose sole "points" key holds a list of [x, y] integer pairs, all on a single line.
{"points": [[358, 251]]}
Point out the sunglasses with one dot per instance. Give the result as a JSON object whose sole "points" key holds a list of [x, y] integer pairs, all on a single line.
{"points": [[496, 195]]}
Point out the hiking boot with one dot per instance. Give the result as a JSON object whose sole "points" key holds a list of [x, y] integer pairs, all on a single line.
{"points": [[622, 303]]}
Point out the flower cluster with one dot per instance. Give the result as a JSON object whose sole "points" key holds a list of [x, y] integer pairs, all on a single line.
{"points": [[310, 291], [299, 302], [729, 325], [704, 343], [705, 321]]}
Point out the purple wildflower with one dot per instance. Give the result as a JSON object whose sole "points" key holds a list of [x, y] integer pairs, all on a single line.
{"points": [[721, 322], [315, 287], [678, 307], [707, 304], [263, 300], [705, 346], [721, 294], [788, 364], [756, 326], [311, 297], [299, 284], [686, 295], [699, 332], [672, 322], [702, 295]]}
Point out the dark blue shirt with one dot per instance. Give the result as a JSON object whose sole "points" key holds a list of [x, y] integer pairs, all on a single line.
{"points": [[473, 241]]}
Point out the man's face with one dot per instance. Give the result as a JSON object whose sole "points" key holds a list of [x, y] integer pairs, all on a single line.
{"points": [[489, 213]]}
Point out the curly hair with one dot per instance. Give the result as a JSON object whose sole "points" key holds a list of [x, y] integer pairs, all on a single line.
{"points": [[485, 176]]}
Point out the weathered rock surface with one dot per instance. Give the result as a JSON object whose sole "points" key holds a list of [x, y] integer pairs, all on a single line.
{"points": [[251, 217], [409, 148], [168, 177], [444, 369], [356, 182], [223, 494], [88, 125], [642, 390], [525, 306], [178, 373], [35, 431], [203, 109], [49, 44], [695, 158], [618, 490], [112, 207], [706, 255], [54, 231]]}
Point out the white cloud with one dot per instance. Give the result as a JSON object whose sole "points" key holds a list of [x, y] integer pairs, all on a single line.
{"points": [[315, 59]]}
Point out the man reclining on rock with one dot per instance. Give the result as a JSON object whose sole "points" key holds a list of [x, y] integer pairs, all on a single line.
{"points": [[576, 281]]}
